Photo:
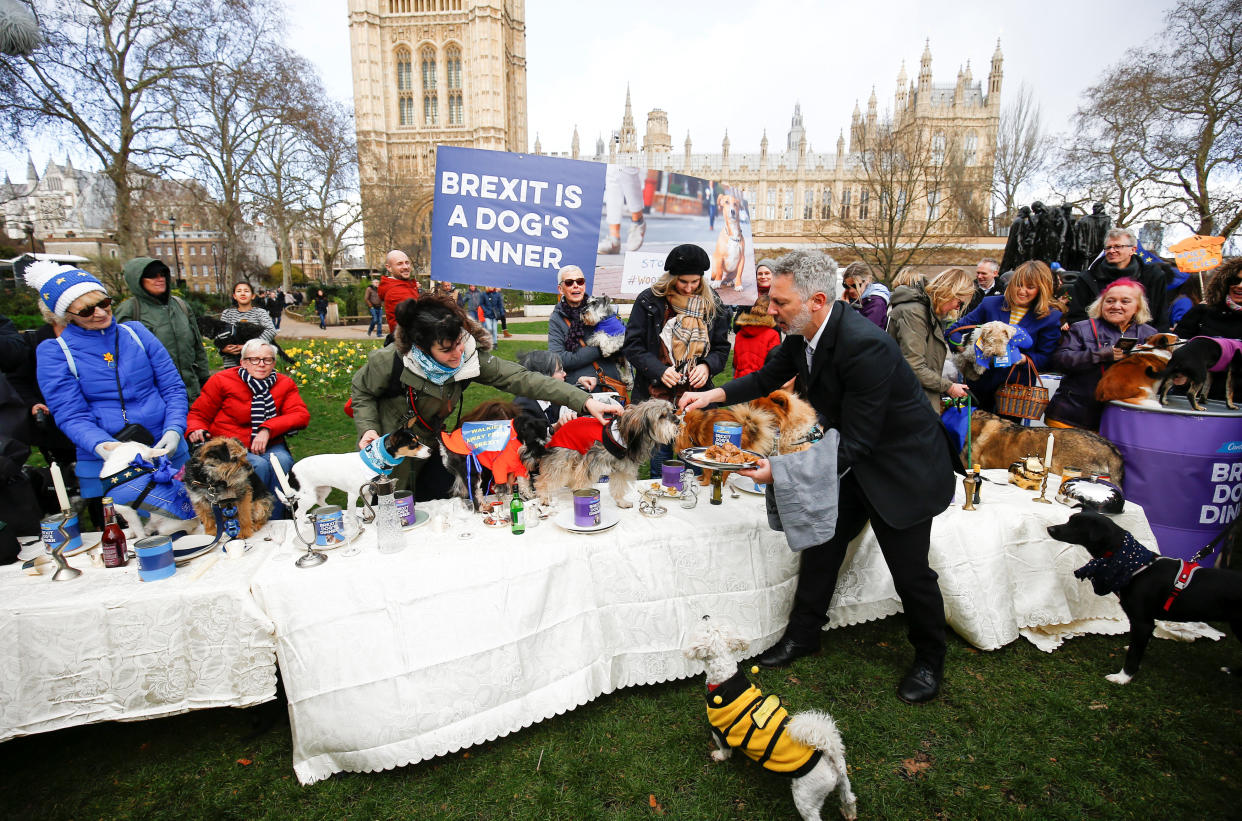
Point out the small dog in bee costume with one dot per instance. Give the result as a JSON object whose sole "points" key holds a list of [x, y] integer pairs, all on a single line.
{"points": [[805, 747]]}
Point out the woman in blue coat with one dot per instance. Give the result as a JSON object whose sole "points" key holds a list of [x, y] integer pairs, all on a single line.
{"points": [[99, 376], [1025, 304]]}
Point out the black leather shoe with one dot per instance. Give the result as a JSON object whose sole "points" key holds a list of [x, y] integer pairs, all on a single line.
{"points": [[920, 685], [785, 652]]}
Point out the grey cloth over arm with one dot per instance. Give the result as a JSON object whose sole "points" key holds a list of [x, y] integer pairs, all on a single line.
{"points": [[802, 498]]}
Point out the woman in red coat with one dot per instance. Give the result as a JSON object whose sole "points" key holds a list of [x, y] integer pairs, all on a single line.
{"points": [[756, 336], [255, 405]]}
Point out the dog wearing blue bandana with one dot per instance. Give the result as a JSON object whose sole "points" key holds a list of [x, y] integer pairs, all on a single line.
{"points": [[991, 345], [314, 477], [147, 491]]}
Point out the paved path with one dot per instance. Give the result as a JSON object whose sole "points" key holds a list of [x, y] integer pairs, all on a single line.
{"points": [[296, 329]]}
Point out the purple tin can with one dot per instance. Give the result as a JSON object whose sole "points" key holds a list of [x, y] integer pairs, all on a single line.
{"points": [[672, 473], [405, 506], [730, 432], [586, 508]]}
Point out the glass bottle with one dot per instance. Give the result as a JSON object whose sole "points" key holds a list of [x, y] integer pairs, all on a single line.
{"points": [[387, 519], [517, 515], [113, 539]]}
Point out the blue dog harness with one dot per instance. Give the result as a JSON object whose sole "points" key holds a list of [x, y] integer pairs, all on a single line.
{"points": [[162, 493]]}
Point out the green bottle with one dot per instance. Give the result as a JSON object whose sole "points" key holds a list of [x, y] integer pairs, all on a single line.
{"points": [[517, 515]]}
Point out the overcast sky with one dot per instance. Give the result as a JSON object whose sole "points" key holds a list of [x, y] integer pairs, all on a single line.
{"points": [[741, 66]]}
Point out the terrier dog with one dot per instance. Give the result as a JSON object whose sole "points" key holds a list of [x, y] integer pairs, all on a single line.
{"points": [[314, 477], [583, 450], [510, 468], [607, 329], [806, 746], [779, 422], [1135, 378], [142, 486], [989, 340], [1195, 362], [1150, 587], [219, 473], [222, 334]]}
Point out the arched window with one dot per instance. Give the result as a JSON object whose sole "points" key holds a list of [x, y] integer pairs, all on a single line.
{"points": [[937, 147], [769, 211], [431, 103], [789, 204], [405, 87], [933, 206], [845, 203], [452, 71], [864, 200], [825, 204], [808, 204], [971, 149], [53, 183]]}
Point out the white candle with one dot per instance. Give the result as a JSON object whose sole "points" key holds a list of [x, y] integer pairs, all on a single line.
{"points": [[1048, 455], [61, 496]]}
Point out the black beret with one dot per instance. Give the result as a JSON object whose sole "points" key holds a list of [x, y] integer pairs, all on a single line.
{"points": [[687, 259]]}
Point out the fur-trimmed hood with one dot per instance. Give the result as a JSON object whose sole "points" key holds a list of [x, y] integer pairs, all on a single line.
{"points": [[757, 315]]}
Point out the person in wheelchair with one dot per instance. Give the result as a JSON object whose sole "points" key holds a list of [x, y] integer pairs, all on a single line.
{"points": [[255, 405]]}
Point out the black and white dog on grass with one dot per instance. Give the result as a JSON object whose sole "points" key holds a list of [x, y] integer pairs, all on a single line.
{"points": [[1150, 587]]}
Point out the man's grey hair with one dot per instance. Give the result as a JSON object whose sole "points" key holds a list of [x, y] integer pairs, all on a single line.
{"points": [[991, 263], [812, 272], [1117, 233], [252, 346]]}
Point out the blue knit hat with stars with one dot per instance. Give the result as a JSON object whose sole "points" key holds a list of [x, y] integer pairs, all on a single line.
{"points": [[59, 285]]}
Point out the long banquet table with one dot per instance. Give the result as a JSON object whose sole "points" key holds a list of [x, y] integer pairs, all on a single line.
{"points": [[390, 659], [107, 646]]}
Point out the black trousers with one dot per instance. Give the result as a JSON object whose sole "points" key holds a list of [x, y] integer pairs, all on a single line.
{"points": [[905, 551]]}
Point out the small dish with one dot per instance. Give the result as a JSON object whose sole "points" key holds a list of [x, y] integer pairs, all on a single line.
{"points": [[744, 485], [421, 517], [695, 457], [606, 521]]}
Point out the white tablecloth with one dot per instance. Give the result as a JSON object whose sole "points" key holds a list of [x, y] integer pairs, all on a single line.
{"points": [[392, 659], [108, 646]]}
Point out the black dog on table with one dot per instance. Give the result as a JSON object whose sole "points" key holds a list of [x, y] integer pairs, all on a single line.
{"points": [[1148, 584], [222, 334]]}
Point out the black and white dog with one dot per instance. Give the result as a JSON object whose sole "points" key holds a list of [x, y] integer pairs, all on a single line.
{"points": [[222, 334], [1150, 587]]}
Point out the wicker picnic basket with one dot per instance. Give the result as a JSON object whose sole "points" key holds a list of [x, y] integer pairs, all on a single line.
{"points": [[1019, 400]]}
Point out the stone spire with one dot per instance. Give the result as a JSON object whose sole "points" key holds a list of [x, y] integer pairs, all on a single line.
{"points": [[32, 176], [796, 132], [901, 99], [573, 145], [724, 151], [629, 134], [925, 75], [871, 110], [686, 166], [995, 76]]}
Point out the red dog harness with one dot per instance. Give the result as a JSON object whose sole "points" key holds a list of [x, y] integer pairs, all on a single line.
{"points": [[1182, 581]]}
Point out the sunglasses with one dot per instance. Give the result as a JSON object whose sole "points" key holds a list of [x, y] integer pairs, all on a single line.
{"points": [[578, 281], [104, 303]]}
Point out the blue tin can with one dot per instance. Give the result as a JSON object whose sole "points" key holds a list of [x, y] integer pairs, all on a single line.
{"points": [[730, 432], [54, 536], [155, 558], [329, 526]]}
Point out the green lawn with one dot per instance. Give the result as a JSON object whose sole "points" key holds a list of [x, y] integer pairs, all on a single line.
{"points": [[1017, 733]]}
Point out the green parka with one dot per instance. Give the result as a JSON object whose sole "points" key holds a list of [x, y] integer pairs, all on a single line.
{"points": [[918, 333], [170, 319], [382, 406]]}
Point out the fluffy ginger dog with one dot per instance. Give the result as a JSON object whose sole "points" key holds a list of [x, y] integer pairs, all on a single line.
{"points": [[806, 746], [780, 412]]}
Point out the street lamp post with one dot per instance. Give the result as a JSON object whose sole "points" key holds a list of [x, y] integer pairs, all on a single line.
{"points": [[28, 228], [215, 268], [172, 220]]}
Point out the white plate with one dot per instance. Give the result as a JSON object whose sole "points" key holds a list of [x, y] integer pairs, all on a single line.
{"points": [[744, 485], [421, 517], [566, 520], [187, 548], [695, 457]]}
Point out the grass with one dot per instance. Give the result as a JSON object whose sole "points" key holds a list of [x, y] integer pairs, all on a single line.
{"points": [[1016, 733]]}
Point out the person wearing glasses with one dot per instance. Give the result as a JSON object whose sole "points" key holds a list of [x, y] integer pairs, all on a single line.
{"points": [[101, 377], [1119, 262], [168, 317], [256, 406], [585, 365], [866, 296]]}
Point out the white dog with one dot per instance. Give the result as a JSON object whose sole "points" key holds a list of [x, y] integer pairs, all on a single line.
{"points": [[805, 746], [313, 478], [167, 505]]}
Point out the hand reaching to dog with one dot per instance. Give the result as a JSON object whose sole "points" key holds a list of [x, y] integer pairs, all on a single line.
{"points": [[695, 400], [367, 438], [169, 441], [601, 411]]}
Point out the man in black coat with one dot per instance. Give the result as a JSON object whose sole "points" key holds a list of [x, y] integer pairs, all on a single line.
{"points": [[1119, 261], [893, 462]]}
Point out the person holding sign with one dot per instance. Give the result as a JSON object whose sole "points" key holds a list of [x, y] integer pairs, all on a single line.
{"points": [[585, 365], [417, 381], [677, 338]]}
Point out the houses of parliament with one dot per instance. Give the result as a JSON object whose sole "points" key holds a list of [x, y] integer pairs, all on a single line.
{"points": [[453, 72]]}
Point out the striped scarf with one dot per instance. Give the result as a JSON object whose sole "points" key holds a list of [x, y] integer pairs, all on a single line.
{"points": [[262, 405]]}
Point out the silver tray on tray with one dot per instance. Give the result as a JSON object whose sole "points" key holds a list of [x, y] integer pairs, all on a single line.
{"points": [[695, 457]]}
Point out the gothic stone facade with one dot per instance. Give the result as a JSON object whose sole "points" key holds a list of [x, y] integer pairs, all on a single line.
{"points": [[429, 73]]}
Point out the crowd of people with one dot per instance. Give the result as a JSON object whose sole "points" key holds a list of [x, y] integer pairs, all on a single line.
{"points": [[874, 361]]}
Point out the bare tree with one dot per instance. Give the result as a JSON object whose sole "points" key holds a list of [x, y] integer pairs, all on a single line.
{"points": [[1161, 134], [104, 74], [1022, 149], [903, 211], [330, 206]]}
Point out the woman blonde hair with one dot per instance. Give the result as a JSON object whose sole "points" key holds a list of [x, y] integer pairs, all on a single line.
{"points": [[908, 276], [949, 284], [1033, 274], [664, 284]]}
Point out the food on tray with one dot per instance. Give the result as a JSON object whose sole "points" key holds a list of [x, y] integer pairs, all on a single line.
{"points": [[726, 454]]}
